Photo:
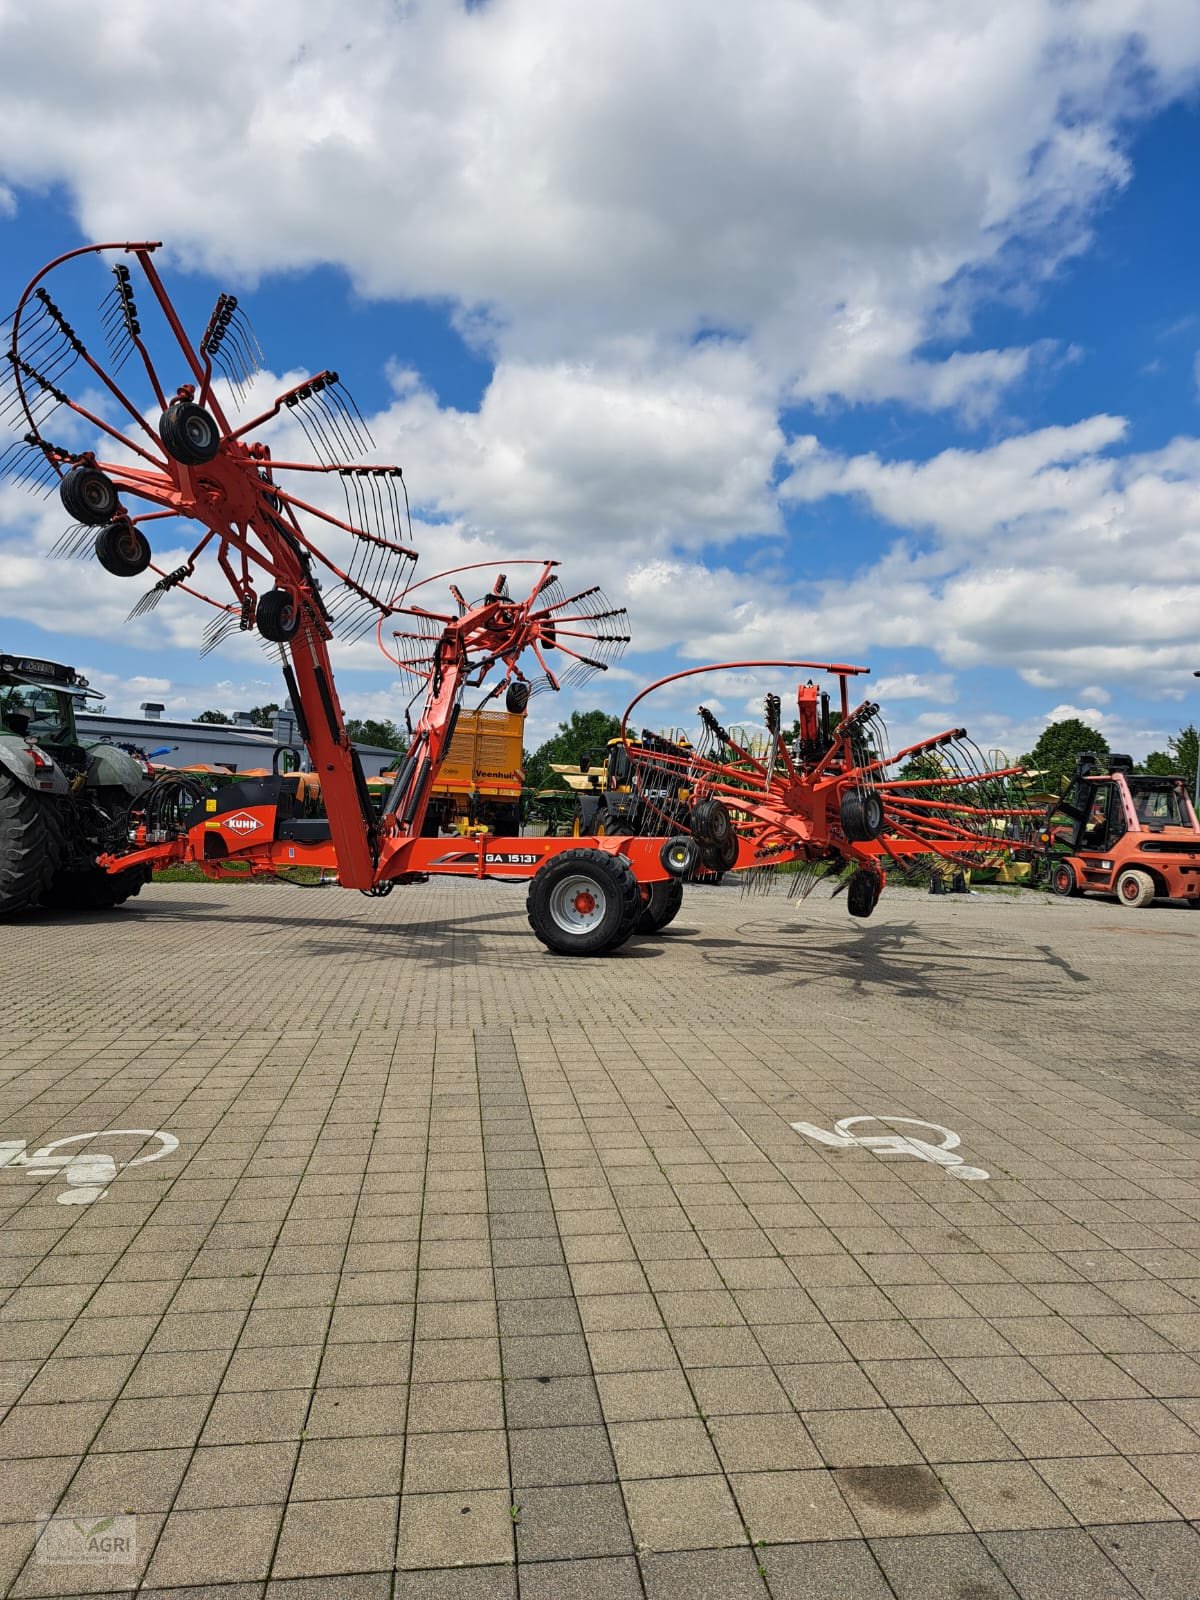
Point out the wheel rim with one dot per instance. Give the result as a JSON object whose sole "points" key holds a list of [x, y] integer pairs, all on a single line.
{"points": [[1130, 888], [577, 904], [94, 494], [197, 432], [1062, 881]]}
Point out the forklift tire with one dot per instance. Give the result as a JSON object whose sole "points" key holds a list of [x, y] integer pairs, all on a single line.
{"points": [[584, 902], [122, 550], [862, 895], [89, 496], [189, 434], [26, 847], [278, 616], [1135, 889], [1062, 880], [662, 906]]}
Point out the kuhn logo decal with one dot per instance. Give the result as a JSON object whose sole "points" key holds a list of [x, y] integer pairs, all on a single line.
{"points": [[241, 822]]}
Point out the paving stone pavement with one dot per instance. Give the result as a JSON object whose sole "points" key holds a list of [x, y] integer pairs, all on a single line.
{"points": [[479, 1273]]}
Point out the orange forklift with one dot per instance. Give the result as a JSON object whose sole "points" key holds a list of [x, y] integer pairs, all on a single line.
{"points": [[1117, 832]]}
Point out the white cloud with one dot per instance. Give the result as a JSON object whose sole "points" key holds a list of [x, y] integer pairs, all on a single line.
{"points": [[827, 183]]}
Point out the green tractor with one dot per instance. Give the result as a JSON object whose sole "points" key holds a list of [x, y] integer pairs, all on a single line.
{"points": [[61, 805]]}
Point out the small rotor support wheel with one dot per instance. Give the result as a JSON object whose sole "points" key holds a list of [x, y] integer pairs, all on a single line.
{"points": [[89, 496], [189, 435], [122, 550], [516, 697], [278, 616], [710, 822], [862, 895], [861, 814], [679, 856]]}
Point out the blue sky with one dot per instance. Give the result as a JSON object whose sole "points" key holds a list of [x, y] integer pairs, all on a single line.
{"points": [[869, 334]]}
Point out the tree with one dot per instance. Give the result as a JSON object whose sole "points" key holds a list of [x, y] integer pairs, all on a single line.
{"points": [[212, 716], [1058, 748], [1178, 759], [373, 730], [585, 730]]}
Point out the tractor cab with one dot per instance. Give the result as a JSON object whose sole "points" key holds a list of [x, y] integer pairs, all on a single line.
{"points": [[37, 704], [1127, 833]]}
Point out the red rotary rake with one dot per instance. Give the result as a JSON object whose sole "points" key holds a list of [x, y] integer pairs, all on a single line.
{"points": [[186, 468], [827, 791]]}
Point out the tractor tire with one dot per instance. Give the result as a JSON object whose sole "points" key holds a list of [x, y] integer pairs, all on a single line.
{"points": [[1135, 889], [862, 895], [1062, 880], [27, 852], [661, 908], [584, 902], [122, 550], [89, 496], [189, 434], [861, 814], [278, 616]]}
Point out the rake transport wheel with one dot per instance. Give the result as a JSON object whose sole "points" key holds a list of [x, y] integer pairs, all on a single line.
{"points": [[26, 847], [1135, 889], [680, 856], [661, 907], [122, 550], [584, 902]]}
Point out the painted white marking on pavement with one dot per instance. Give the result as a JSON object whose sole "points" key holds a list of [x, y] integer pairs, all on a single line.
{"points": [[87, 1173], [896, 1144]]}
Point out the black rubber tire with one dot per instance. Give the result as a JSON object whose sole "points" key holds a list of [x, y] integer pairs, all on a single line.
{"points": [[92, 889], [607, 878], [727, 851], [1061, 879], [862, 894], [278, 616], [122, 550], [27, 852], [861, 813], [709, 822], [89, 496], [189, 434], [679, 856], [516, 697], [661, 908]]}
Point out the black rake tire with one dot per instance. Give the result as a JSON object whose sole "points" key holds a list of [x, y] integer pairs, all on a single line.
{"points": [[662, 907], [278, 616], [584, 902], [122, 550], [189, 434], [26, 847], [861, 813], [679, 856], [516, 697], [709, 822], [89, 496], [862, 895]]}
